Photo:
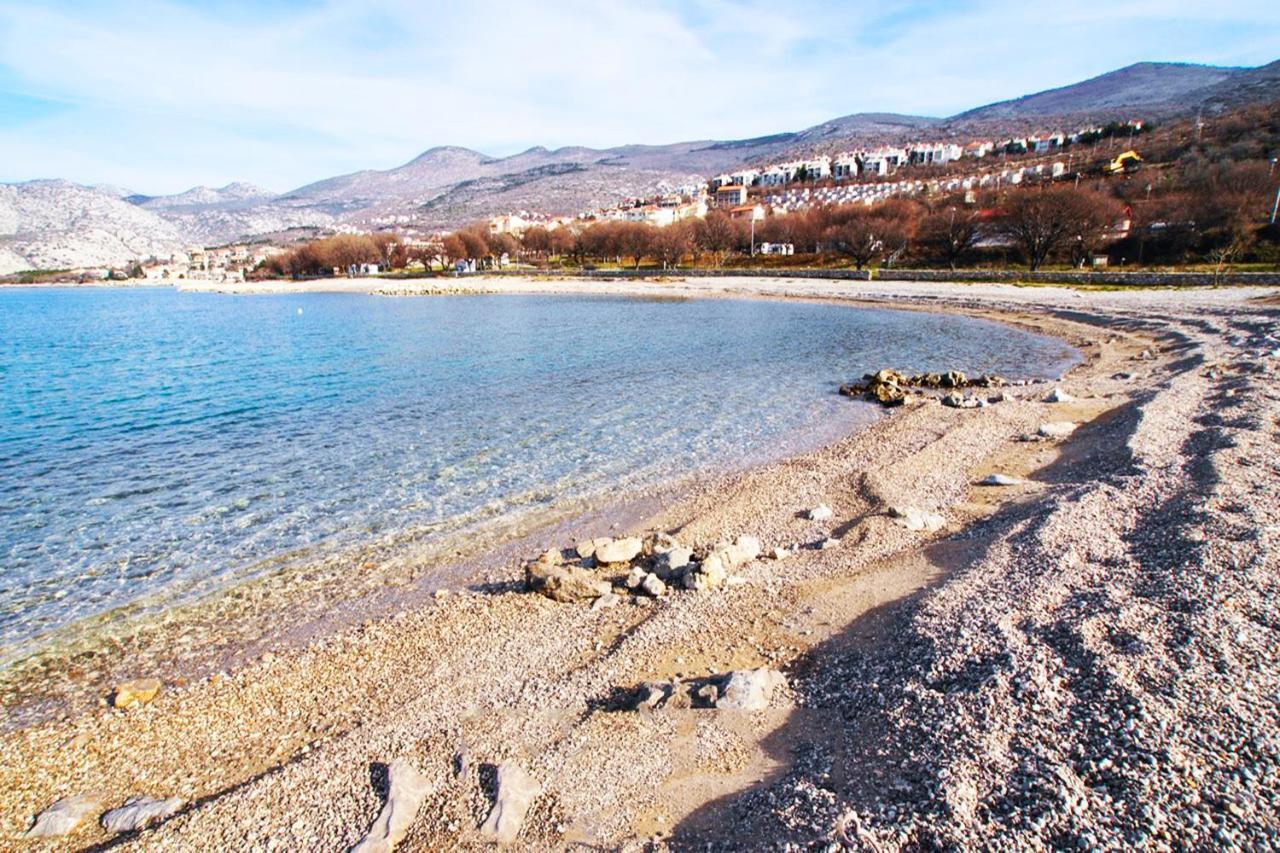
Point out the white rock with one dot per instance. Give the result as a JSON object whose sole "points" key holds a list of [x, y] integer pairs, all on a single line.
{"points": [[828, 543], [605, 601], [618, 550], [654, 586], [780, 553], [821, 512], [138, 812], [1057, 395], [1002, 480], [749, 689], [914, 518], [636, 578], [64, 816], [408, 790], [516, 790], [1057, 429]]}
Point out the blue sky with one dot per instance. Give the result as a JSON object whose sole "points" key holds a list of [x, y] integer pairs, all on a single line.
{"points": [[161, 95]]}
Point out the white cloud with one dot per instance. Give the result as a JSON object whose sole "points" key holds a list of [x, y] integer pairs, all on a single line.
{"points": [[163, 95]]}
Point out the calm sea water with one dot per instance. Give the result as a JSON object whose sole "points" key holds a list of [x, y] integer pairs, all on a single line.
{"points": [[154, 441]]}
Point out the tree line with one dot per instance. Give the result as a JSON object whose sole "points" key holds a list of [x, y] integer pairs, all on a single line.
{"points": [[1199, 211]]}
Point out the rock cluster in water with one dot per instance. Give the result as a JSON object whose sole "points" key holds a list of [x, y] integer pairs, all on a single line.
{"points": [[891, 387]]}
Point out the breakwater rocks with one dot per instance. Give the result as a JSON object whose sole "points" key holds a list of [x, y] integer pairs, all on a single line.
{"points": [[892, 388]]}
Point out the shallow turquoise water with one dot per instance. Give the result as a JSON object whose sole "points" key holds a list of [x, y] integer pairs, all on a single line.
{"points": [[155, 441]]}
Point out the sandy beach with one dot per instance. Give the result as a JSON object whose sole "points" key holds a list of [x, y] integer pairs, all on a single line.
{"points": [[1085, 657]]}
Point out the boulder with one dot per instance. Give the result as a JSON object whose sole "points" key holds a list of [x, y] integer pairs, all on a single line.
{"points": [[672, 563], [709, 574], [562, 582], [954, 379], [956, 400], [615, 551], [889, 395], [1057, 429], [138, 692], [64, 816], [654, 586], [1001, 480], [516, 790], [586, 549], [914, 518], [749, 689], [140, 812], [408, 789], [1057, 395], [821, 512]]}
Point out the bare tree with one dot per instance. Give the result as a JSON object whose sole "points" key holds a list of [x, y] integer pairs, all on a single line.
{"points": [[1041, 221]]}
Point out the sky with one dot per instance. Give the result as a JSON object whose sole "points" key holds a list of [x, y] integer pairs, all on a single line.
{"points": [[160, 95]]}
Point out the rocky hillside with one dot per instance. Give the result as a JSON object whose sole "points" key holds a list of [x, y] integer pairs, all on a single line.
{"points": [[60, 225], [1163, 84]]}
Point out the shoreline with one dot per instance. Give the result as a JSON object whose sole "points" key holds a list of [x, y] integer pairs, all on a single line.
{"points": [[231, 626], [500, 674]]}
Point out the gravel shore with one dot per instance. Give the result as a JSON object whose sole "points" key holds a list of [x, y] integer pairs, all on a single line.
{"points": [[1085, 658]]}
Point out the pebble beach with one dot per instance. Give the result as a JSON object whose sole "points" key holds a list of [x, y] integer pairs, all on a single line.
{"points": [[1041, 620]]}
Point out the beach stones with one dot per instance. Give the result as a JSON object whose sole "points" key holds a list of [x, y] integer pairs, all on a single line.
{"points": [[64, 816], [724, 558], [138, 692], [821, 512], [516, 791], [956, 400], [669, 564], [586, 549], [749, 690], [1057, 429], [611, 551], [1001, 480], [914, 518], [954, 379], [1057, 395], [140, 812], [406, 792]]}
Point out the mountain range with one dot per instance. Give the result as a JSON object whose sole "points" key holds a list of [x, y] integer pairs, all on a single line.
{"points": [[56, 224]]}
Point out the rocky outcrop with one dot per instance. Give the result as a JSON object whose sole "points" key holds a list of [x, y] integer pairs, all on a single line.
{"points": [[891, 387], [516, 791]]}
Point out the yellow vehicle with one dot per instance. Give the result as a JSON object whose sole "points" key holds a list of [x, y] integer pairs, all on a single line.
{"points": [[1126, 162]]}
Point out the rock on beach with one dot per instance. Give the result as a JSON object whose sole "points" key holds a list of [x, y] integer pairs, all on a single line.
{"points": [[516, 790], [140, 812], [408, 789], [138, 692], [613, 551], [64, 816]]}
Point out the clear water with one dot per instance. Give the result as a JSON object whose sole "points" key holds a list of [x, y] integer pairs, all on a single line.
{"points": [[155, 441]]}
